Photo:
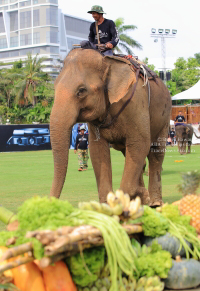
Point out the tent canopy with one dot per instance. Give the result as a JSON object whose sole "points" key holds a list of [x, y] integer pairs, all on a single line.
{"points": [[193, 93]]}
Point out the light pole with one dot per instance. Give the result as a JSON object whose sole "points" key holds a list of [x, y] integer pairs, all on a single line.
{"points": [[163, 34]]}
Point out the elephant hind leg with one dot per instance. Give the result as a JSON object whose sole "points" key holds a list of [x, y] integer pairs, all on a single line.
{"points": [[156, 157]]}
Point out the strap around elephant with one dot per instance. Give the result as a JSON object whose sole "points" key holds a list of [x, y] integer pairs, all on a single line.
{"points": [[124, 105], [180, 123]]}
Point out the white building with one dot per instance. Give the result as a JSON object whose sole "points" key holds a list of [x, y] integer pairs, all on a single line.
{"points": [[38, 26]]}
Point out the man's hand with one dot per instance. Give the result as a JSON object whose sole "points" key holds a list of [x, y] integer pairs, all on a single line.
{"points": [[109, 45], [75, 151]]}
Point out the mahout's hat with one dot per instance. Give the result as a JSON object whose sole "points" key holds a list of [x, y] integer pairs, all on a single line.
{"points": [[82, 127], [96, 8]]}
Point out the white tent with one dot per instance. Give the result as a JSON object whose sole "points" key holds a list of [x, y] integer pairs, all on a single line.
{"points": [[192, 93]]}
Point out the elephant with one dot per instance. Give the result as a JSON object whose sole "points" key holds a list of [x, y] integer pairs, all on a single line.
{"points": [[184, 133], [93, 89]]}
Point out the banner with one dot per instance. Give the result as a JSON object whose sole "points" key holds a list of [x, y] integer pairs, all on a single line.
{"points": [[24, 137], [30, 137]]}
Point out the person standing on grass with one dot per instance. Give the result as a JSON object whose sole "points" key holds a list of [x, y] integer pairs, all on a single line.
{"points": [[81, 146], [172, 135]]}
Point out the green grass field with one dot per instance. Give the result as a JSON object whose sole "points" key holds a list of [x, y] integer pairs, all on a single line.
{"points": [[25, 174]]}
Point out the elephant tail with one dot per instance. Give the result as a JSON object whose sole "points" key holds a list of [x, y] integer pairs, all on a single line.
{"points": [[196, 135]]}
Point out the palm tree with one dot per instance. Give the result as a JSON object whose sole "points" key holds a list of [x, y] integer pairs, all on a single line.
{"points": [[7, 79], [125, 41], [31, 77]]}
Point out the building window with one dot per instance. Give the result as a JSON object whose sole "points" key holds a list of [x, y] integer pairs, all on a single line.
{"points": [[71, 41], [25, 52], [14, 54], [53, 1], [2, 2], [52, 16], [4, 55], [25, 39], [36, 50], [5, 8], [52, 36], [25, 3], [2, 28], [25, 19], [36, 37], [36, 17], [11, 1], [14, 6], [3, 43], [54, 50], [13, 21], [76, 25], [14, 41], [35, 2]]}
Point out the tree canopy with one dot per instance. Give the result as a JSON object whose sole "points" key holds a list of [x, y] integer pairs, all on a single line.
{"points": [[185, 74], [126, 43]]}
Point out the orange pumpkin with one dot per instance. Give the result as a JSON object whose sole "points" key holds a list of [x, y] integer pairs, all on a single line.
{"points": [[7, 273], [58, 278], [28, 278]]}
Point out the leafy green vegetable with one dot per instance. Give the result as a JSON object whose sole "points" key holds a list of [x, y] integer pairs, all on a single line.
{"points": [[5, 235], [172, 212], [180, 227], [43, 213], [152, 260], [38, 213], [153, 223], [8, 287], [86, 269]]}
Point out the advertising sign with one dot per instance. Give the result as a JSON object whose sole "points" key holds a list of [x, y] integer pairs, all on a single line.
{"points": [[24, 137]]}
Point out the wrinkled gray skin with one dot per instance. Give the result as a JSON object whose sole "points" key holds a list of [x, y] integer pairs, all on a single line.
{"points": [[84, 90], [184, 135]]}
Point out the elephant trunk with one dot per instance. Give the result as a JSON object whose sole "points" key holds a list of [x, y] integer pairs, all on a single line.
{"points": [[61, 122]]}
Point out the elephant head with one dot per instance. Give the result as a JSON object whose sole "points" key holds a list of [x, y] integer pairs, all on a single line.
{"points": [[86, 86]]}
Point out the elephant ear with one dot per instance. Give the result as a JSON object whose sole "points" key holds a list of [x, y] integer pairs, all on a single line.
{"points": [[120, 77]]}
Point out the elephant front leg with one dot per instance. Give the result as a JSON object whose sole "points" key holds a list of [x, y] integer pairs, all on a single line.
{"points": [[132, 183], [189, 147], [100, 157]]}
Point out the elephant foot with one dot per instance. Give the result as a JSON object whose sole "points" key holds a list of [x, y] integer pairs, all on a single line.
{"points": [[143, 193], [155, 204]]}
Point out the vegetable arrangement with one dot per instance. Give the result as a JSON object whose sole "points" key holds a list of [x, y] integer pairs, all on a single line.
{"points": [[152, 260], [55, 245]]}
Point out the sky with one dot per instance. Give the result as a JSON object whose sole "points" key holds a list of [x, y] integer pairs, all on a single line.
{"points": [[147, 14]]}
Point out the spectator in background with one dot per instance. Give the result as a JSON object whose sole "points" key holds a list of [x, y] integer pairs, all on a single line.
{"points": [[180, 118], [172, 135], [81, 146]]}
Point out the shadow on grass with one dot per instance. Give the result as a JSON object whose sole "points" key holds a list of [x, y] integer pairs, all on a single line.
{"points": [[166, 172], [171, 199]]}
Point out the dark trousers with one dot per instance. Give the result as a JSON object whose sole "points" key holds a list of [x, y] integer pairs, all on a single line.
{"points": [[89, 45]]}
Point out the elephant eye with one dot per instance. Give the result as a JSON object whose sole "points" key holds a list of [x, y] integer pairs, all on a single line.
{"points": [[81, 92]]}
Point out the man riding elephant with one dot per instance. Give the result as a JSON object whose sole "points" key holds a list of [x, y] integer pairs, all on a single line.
{"points": [[103, 33], [107, 93]]}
